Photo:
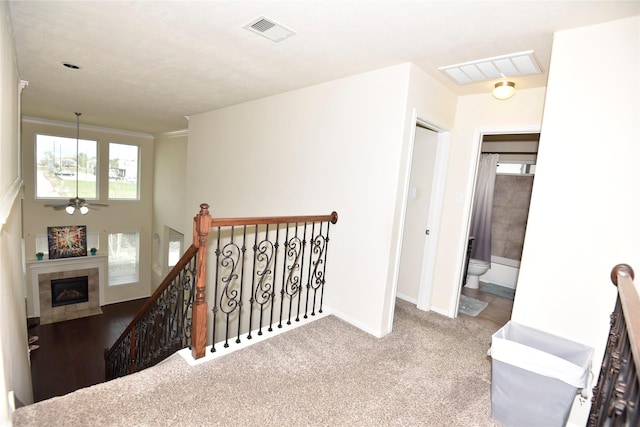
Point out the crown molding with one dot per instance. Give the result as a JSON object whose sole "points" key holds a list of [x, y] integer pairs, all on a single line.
{"points": [[173, 134], [37, 120]]}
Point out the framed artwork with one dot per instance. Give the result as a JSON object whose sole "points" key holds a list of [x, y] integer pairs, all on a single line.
{"points": [[67, 241]]}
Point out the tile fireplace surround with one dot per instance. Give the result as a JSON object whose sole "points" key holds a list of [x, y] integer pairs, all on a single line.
{"points": [[41, 274]]}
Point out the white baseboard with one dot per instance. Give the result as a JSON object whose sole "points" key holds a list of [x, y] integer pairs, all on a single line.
{"points": [[255, 338], [407, 298], [357, 324], [415, 301]]}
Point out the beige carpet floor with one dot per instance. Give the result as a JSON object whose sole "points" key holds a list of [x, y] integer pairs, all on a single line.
{"points": [[430, 371]]}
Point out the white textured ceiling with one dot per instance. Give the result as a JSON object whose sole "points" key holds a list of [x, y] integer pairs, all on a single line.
{"points": [[147, 64]]}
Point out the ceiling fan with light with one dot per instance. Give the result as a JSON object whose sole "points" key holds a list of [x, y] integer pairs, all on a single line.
{"points": [[77, 203]]}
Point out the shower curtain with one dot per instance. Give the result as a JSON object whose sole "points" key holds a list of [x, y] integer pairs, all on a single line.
{"points": [[483, 207]]}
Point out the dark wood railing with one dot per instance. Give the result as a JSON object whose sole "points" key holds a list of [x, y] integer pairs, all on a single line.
{"points": [[616, 397], [162, 325], [282, 277]]}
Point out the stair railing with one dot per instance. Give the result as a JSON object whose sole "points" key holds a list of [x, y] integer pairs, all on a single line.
{"points": [[616, 396], [267, 270], [161, 327], [281, 277]]}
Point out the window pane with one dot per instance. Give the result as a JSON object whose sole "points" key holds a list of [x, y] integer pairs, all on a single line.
{"points": [[57, 164], [515, 168], [123, 171], [175, 247], [123, 258]]}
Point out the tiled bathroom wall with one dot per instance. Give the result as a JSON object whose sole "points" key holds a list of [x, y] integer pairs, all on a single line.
{"points": [[511, 199]]}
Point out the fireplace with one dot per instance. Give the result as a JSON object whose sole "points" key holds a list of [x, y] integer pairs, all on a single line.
{"points": [[66, 289], [72, 290]]}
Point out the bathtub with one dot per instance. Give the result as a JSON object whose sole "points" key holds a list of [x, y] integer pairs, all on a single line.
{"points": [[503, 271]]}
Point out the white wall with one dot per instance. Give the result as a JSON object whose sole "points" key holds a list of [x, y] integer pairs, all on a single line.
{"points": [[583, 218], [334, 146], [169, 174], [476, 114], [15, 373]]}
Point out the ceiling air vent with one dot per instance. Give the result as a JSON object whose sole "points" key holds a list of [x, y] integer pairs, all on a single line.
{"points": [[512, 65], [270, 29]]}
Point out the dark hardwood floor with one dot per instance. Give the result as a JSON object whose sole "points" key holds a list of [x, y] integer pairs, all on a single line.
{"points": [[71, 353]]}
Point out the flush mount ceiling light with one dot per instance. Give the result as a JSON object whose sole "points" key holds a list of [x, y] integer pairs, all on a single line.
{"points": [[504, 90], [511, 65], [76, 204], [270, 29]]}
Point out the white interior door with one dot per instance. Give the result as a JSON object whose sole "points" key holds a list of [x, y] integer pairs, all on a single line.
{"points": [[417, 213]]}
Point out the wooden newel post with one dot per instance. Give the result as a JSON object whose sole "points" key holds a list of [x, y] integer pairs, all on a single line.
{"points": [[201, 229]]}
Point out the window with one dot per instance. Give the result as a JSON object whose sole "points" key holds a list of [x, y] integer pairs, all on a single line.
{"points": [[516, 168], [123, 171], [124, 260], [58, 159], [175, 247]]}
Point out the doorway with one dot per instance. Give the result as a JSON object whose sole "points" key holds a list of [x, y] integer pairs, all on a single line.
{"points": [[511, 199], [423, 206]]}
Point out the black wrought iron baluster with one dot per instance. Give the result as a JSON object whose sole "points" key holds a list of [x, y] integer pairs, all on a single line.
{"points": [[324, 278], [190, 283], [264, 275], [603, 400], [215, 294], [122, 360], [168, 314], [317, 277], [284, 273], [309, 272], [294, 275], [117, 360], [229, 296], [253, 278], [626, 382], [140, 336], [304, 247], [243, 250], [178, 338], [158, 328], [275, 276], [616, 362], [177, 308]]}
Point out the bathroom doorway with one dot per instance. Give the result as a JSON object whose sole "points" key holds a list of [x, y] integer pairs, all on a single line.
{"points": [[511, 199]]}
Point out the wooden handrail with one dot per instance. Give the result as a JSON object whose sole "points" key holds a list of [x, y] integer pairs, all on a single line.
{"points": [[616, 396], [180, 265], [622, 276], [261, 220]]}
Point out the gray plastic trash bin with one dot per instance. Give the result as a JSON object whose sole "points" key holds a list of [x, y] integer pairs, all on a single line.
{"points": [[535, 376]]}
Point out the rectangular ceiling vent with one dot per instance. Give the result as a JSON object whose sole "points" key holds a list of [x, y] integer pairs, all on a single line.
{"points": [[270, 29], [512, 65]]}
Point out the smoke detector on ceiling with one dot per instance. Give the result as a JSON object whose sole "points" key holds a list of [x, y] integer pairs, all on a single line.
{"points": [[270, 29]]}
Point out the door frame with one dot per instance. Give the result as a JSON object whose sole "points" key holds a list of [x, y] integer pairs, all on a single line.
{"points": [[478, 135], [436, 202]]}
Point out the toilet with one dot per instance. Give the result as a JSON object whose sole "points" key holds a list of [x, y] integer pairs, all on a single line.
{"points": [[476, 269]]}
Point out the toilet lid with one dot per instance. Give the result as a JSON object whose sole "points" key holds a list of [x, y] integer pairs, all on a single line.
{"points": [[479, 262]]}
